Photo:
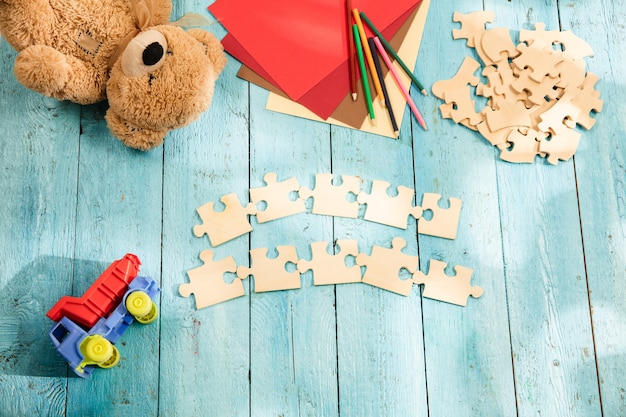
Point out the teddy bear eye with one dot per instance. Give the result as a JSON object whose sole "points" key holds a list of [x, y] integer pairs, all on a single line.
{"points": [[144, 53]]}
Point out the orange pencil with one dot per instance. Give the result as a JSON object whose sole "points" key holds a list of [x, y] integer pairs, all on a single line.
{"points": [[352, 57], [368, 55]]}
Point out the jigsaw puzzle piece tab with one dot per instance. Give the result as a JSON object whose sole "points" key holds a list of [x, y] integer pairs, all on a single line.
{"points": [[525, 146], [561, 145], [207, 282], [497, 45], [439, 286], [472, 25], [222, 226], [383, 266], [444, 222], [331, 268], [587, 99], [271, 274], [540, 58], [389, 210], [463, 108], [278, 198], [572, 44], [465, 75], [331, 199]]}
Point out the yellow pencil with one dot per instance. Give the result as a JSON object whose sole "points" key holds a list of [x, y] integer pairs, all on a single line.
{"points": [[368, 55]]}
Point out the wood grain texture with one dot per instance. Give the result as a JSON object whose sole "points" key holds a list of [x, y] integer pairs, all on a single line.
{"points": [[470, 343], [38, 180], [601, 186], [546, 243], [204, 354], [549, 315]]}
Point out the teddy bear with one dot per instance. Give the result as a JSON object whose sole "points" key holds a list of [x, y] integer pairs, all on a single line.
{"points": [[155, 75]]}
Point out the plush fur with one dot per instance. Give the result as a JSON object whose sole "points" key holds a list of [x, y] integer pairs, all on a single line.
{"points": [[156, 76]]}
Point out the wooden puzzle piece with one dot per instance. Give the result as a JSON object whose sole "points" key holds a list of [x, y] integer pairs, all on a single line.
{"points": [[447, 111], [465, 75], [524, 146], [572, 44], [561, 145], [538, 92], [331, 268], [222, 226], [497, 45], [462, 106], [496, 138], [444, 222], [271, 274], [499, 89], [385, 209], [383, 266], [508, 115], [571, 73], [207, 282], [587, 99], [278, 198], [439, 286], [539, 58], [472, 25], [331, 199], [559, 116]]}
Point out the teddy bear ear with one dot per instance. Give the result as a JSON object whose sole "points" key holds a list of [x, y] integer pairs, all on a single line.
{"points": [[214, 48], [131, 135]]}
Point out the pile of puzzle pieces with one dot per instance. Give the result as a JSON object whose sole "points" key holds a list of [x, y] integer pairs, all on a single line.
{"points": [[286, 198], [536, 94], [382, 269]]}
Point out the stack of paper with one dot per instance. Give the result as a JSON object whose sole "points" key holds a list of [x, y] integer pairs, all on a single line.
{"points": [[299, 51]]}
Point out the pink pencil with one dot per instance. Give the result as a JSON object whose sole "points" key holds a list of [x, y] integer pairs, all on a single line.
{"points": [[396, 77]]}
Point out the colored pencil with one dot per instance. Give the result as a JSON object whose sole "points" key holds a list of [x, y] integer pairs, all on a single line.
{"points": [[396, 77], [368, 54], [364, 81], [352, 58], [394, 54], [394, 124]]}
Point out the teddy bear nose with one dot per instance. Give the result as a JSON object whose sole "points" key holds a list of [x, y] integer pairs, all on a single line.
{"points": [[152, 54]]}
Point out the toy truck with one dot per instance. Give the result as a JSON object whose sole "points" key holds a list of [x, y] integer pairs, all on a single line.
{"points": [[88, 327]]}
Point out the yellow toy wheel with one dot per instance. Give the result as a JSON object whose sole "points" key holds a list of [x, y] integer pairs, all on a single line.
{"points": [[113, 360], [140, 305], [99, 351]]}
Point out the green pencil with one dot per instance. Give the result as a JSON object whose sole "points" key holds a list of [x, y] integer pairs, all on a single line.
{"points": [[364, 81], [393, 53]]}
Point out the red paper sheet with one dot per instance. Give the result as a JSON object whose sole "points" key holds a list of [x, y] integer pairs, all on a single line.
{"points": [[299, 43], [324, 97]]}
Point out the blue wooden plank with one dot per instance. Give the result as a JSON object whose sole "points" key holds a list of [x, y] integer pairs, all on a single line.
{"points": [[38, 170], [204, 353], [118, 211], [468, 351], [292, 336], [600, 176], [379, 333], [549, 312]]}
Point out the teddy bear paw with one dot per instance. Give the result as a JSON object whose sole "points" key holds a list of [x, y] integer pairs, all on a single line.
{"points": [[42, 69]]}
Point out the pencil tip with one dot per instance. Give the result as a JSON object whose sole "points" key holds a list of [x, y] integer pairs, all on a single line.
{"points": [[354, 96], [425, 92], [424, 126]]}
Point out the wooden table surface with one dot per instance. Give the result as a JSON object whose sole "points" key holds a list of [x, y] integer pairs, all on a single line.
{"points": [[546, 243]]}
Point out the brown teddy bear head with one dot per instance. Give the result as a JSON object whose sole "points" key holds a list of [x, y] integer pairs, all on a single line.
{"points": [[163, 80]]}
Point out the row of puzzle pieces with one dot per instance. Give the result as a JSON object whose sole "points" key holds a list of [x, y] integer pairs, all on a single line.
{"points": [[536, 94], [331, 199], [382, 269]]}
